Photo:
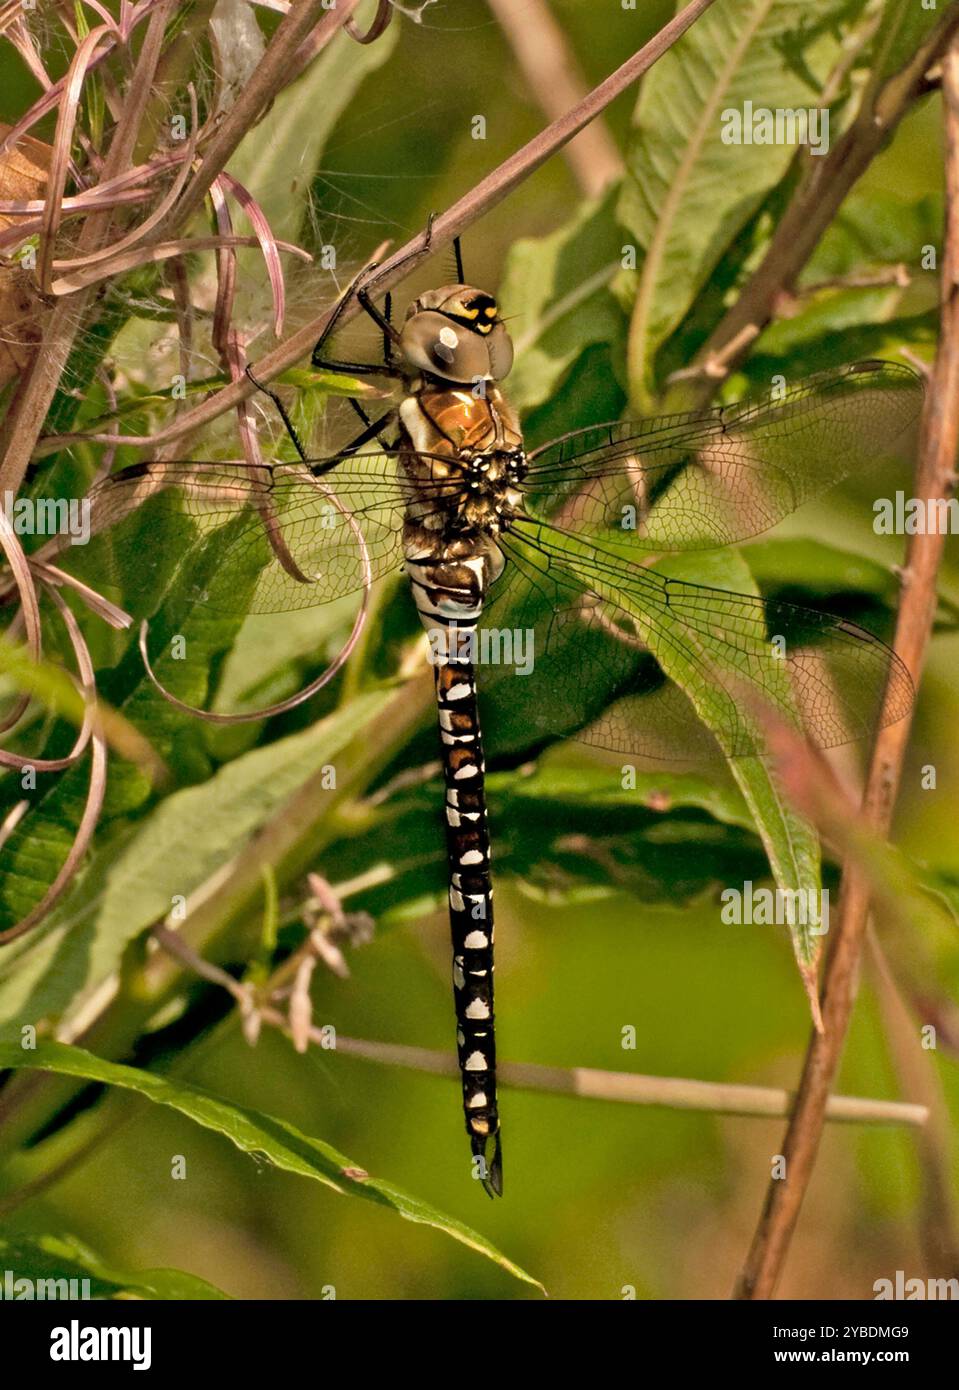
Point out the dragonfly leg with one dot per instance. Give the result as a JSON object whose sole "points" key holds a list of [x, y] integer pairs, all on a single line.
{"points": [[384, 419], [284, 414], [387, 339], [372, 431], [364, 287], [328, 364], [362, 292]]}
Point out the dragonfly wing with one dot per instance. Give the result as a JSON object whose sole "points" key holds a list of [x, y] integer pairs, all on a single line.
{"points": [[686, 482], [247, 539], [606, 634]]}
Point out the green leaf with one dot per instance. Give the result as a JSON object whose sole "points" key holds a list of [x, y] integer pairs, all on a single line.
{"points": [[45, 1260], [827, 573], [267, 660], [277, 161], [830, 331], [791, 845], [31, 858], [900, 33], [689, 193], [303, 378], [557, 289], [597, 787], [816, 569], [790, 842], [179, 846], [568, 831], [254, 1132], [876, 227], [53, 687]]}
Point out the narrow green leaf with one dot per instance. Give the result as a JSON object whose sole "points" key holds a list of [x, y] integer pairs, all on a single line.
{"points": [[303, 378], [790, 842], [47, 1261], [690, 191], [254, 1132], [186, 839]]}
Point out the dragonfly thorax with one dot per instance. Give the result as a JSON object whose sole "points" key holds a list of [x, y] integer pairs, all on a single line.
{"points": [[464, 454], [487, 497]]}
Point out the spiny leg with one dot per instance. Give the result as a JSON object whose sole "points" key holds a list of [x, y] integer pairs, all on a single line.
{"points": [[372, 430], [364, 287], [281, 408]]}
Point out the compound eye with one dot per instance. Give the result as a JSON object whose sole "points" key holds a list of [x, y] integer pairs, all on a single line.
{"points": [[433, 343]]}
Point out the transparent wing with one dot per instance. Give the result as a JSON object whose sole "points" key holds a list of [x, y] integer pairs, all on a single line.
{"points": [[253, 539], [599, 637], [687, 482]]}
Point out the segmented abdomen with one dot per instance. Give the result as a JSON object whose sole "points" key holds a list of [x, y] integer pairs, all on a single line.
{"points": [[471, 908], [449, 597]]}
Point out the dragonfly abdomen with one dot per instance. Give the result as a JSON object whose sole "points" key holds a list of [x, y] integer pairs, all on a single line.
{"points": [[470, 909], [449, 585]]}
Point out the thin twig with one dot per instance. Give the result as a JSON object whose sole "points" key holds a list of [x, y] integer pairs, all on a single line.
{"points": [[588, 1083], [631, 1088], [935, 479]]}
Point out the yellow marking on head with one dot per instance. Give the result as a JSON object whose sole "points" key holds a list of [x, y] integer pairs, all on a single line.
{"points": [[469, 313], [491, 311], [484, 327]]}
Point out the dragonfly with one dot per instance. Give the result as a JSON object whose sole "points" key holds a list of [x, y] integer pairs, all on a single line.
{"points": [[562, 542]]}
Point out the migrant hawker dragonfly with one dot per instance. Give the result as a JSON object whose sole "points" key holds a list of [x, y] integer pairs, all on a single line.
{"points": [[560, 541]]}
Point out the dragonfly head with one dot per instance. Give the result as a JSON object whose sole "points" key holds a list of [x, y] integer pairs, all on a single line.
{"points": [[455, 333]]}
